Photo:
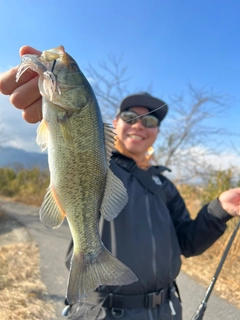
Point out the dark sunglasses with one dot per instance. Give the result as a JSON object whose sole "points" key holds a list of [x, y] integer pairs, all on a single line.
{"points": [[148, 120]]}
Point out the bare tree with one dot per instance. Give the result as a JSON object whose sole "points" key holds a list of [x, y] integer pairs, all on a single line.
{"points": [[187, 136], [109, 82]]}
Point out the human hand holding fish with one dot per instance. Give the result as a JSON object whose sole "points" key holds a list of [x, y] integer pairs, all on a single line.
{"points": [[24, 94]]}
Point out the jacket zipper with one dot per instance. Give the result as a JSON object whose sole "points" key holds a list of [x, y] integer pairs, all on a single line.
{"points": [[154, 265]]}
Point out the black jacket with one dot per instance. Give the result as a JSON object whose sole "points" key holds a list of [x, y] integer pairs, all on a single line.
{"points": [[149, 236]]}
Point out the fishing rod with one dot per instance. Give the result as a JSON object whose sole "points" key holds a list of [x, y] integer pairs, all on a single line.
{"points": [[203, 305]]}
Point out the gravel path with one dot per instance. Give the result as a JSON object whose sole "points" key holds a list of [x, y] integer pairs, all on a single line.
{"points": [[53, 245]]}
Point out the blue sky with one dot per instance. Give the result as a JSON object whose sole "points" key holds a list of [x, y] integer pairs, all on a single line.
{"points": [[166, 44]]}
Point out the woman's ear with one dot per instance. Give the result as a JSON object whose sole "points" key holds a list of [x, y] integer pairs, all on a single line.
{"points": [[115, 123]]}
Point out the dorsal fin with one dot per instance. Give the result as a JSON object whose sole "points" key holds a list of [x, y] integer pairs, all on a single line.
{"points": [[109, 140], [115, 195]]}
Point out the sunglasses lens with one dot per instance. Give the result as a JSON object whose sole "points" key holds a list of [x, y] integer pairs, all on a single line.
{"points": [[150, 121], [129, 117]]}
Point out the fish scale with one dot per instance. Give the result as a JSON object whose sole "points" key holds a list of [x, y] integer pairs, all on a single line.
{"points": [[81, 183]]}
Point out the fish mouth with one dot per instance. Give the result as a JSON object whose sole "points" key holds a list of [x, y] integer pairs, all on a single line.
{"points": [[45, 62], [44, 70], [32, 62]]}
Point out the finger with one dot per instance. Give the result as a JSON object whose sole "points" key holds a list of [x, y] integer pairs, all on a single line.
{"points": [[8, 80], [28, 50], [26, 94], [33, 113]]}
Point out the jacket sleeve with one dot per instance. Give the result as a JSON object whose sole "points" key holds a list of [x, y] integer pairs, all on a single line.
{"points": [[195, 236]]}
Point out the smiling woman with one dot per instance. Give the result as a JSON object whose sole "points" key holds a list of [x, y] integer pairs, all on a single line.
{"points": [[137, 126]]}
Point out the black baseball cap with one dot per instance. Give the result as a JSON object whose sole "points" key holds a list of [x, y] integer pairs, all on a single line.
{"points": [[144, 99]]}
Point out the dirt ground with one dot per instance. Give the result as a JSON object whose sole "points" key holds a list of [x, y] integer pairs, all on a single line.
{"points": [[22, 294]]}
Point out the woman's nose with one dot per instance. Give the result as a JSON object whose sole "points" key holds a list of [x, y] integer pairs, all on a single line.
{"points": [[138, 124]]}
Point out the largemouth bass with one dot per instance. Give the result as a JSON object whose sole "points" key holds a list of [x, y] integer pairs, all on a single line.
{"points": [[81, 182]]}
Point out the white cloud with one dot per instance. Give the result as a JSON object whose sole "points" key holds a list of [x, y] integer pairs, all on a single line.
{"points": [[16, 132], [222, 161]]}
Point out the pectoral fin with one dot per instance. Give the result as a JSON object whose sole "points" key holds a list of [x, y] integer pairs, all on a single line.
{"points": [[42, 135], [66, 127], [51, 213], [115, 197]]}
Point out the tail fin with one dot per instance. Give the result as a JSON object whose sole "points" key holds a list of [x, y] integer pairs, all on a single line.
{"points": [[88, 272]]}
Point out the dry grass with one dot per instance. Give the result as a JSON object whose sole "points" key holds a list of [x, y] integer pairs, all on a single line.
{"points": [[22, 294], [29, 199]]}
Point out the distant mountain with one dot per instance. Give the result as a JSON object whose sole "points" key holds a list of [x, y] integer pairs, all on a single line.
{"points": [[19, 159]]}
